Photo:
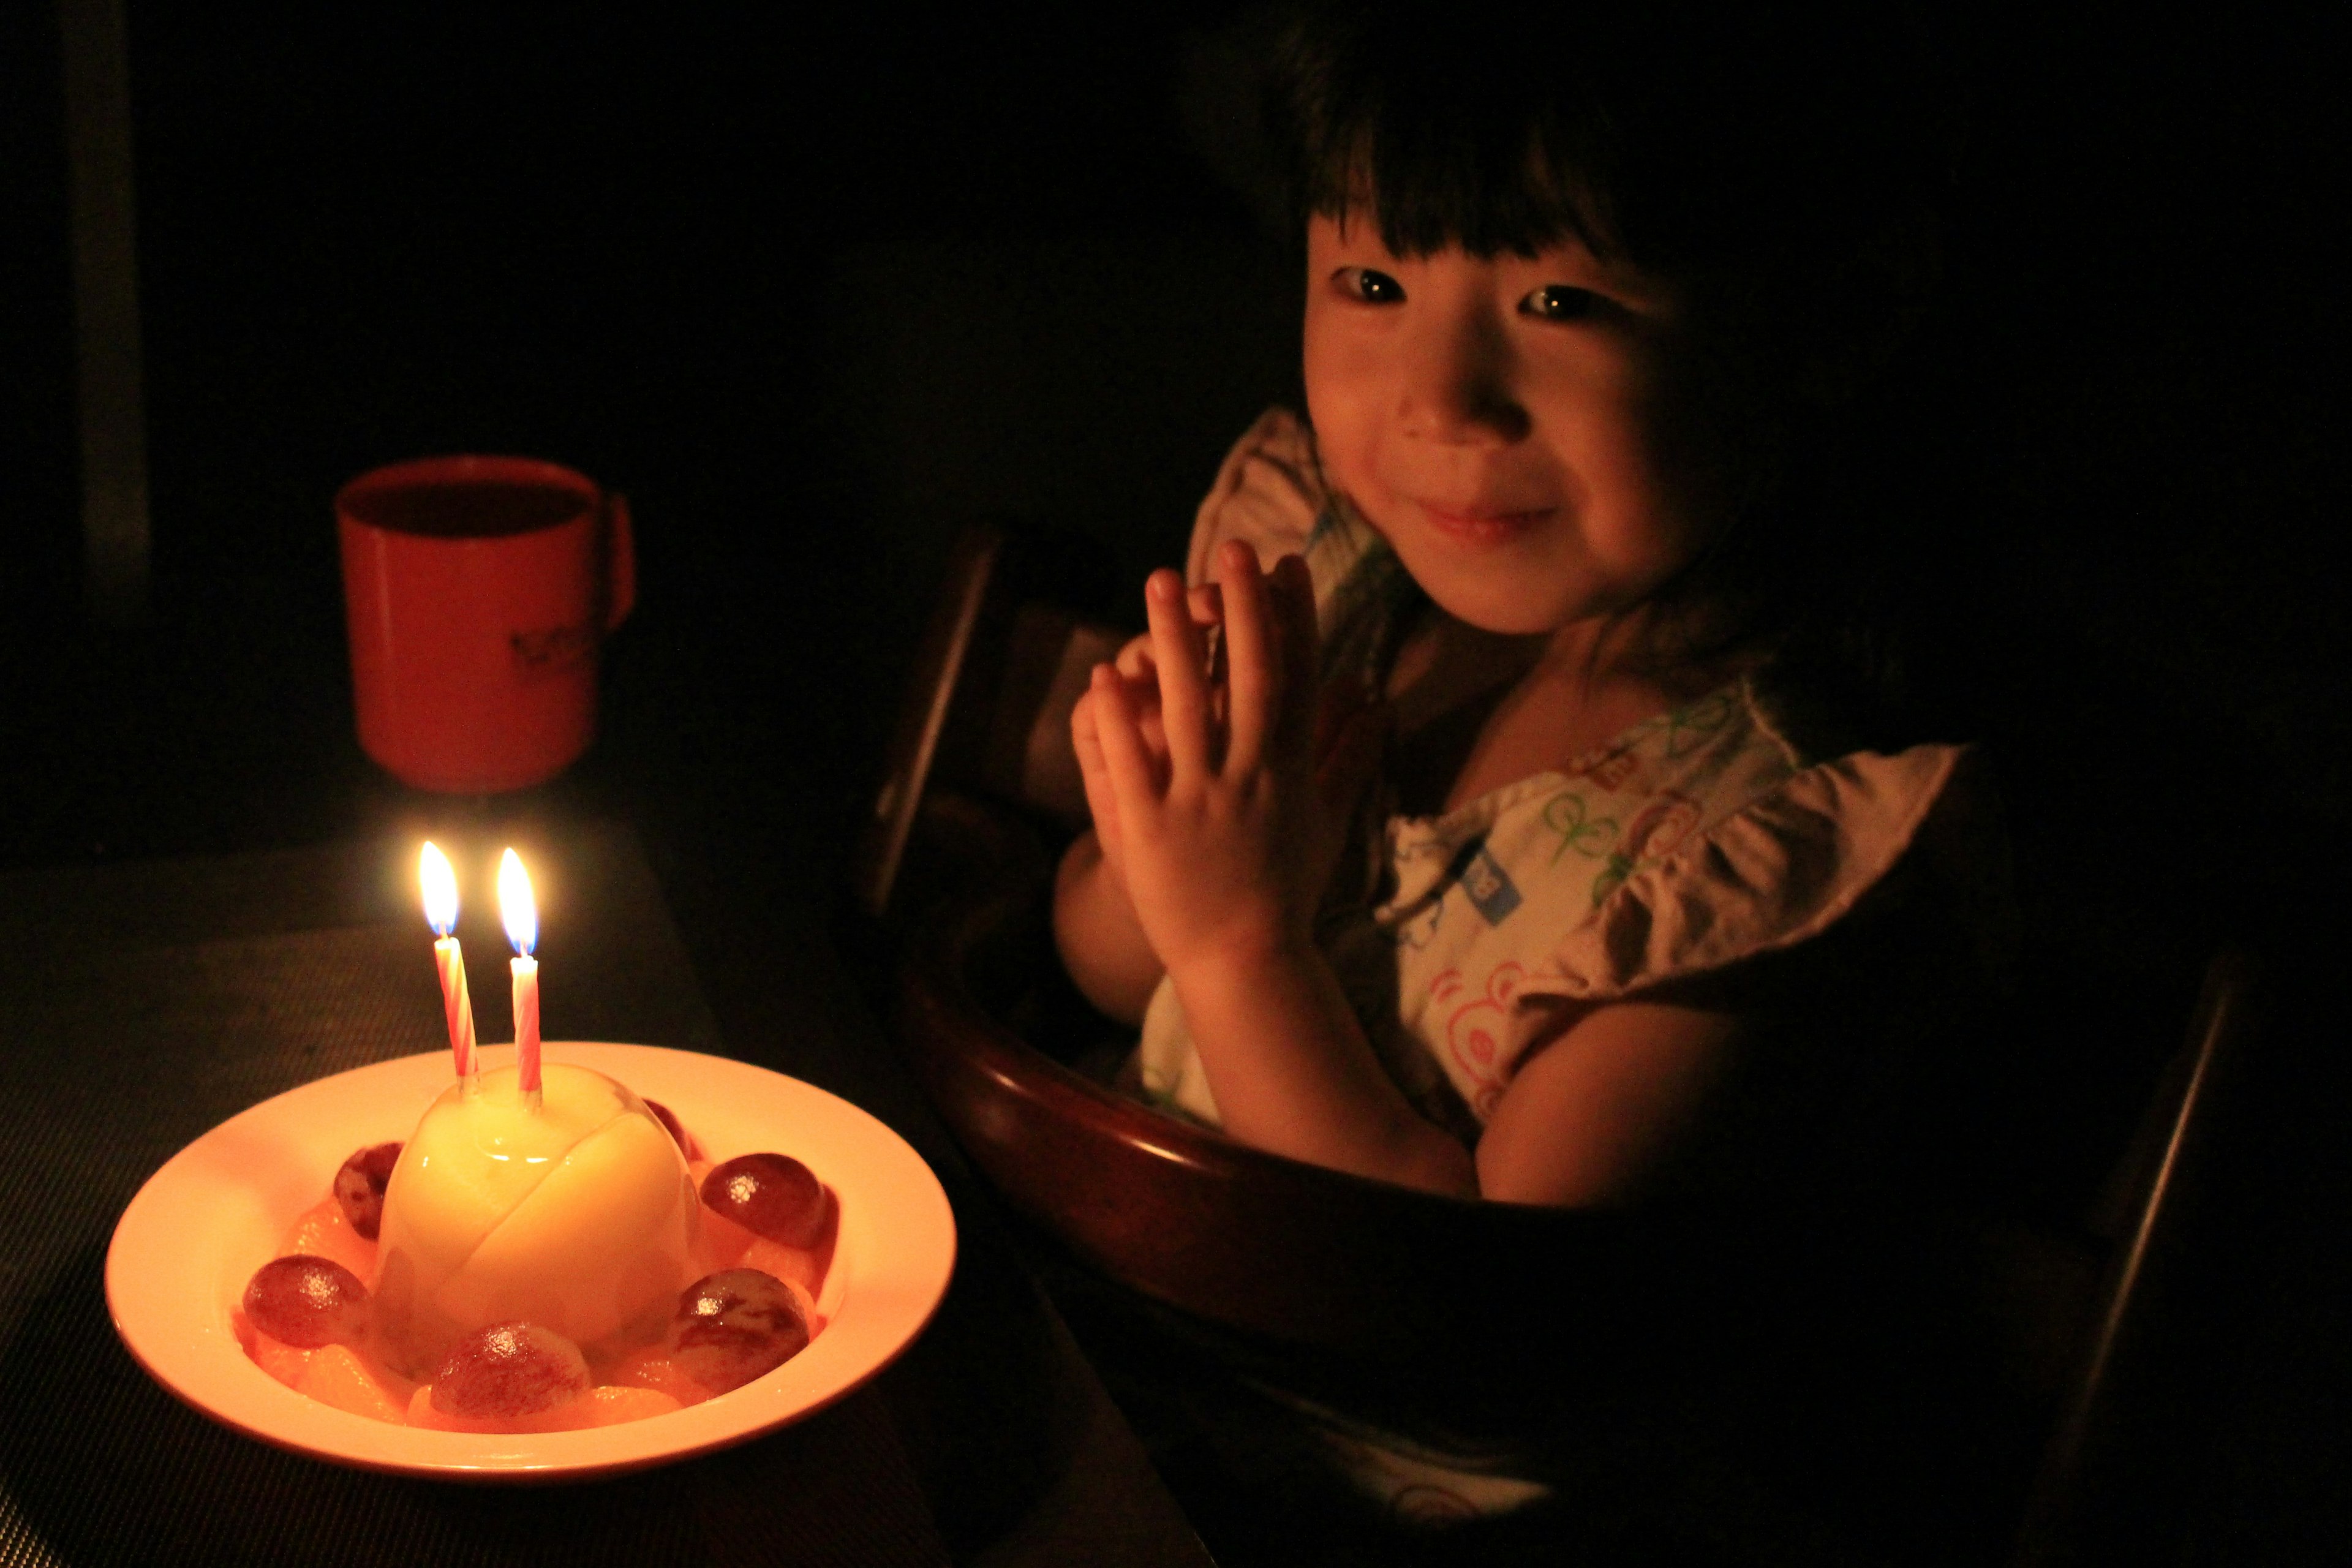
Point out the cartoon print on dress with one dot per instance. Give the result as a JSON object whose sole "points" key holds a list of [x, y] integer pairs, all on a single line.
{"points": [[1661, 828], [1612, 771], [1474, 1025], [1689, 728], [1483, 881], [1663, 825], [1567, 815], [1612, 875]]}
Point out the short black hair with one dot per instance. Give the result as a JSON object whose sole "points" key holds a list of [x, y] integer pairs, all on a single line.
{"points": [[1782, 165], [1683, 138]]}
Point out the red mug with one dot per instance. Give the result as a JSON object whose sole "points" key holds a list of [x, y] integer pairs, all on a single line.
{"points": [[478, 592]]}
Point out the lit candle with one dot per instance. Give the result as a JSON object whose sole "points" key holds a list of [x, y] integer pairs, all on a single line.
{"points": [[520, 913], [441, 913]]}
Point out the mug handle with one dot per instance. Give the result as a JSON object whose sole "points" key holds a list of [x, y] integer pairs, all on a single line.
{"points": [[620, 560]]}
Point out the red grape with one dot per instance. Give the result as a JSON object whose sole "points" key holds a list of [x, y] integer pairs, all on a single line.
{"points": [[732, 1326], [677, 1132], [510, 1370], [772, 1195], [359, 1186], [307, 1303]]}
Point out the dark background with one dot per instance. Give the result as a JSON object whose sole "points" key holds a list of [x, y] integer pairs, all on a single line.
{"points": [[816, 289]]}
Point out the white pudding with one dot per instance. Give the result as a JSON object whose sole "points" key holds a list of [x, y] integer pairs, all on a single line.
{"points": [[579, 1215]]}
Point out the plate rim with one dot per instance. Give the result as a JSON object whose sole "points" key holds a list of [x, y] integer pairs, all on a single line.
{"points": [[919, 1250]]}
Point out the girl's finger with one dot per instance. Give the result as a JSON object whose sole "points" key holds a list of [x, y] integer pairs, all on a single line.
{"points": [[1142, 685], [1095, 774], [1252, 657], [1206, 601], [1135, 658], [1126, 766], [1177, 649]]}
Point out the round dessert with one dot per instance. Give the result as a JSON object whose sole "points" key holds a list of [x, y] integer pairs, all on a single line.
{"points": [[317, 1318], [579, 1215]]}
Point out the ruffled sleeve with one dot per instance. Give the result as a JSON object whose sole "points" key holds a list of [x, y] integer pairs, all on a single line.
{"points": [[1782, 869], [1270, 493], [1509, 929]]}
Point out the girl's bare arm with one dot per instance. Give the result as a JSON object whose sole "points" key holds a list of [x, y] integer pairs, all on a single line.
{"points": [[1590, 1115], [1293, 1073], [1214, 830], [1219, 844], [1102, 944], [1597, 1106]]}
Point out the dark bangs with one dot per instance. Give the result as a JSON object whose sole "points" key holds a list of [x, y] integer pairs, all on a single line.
{"points": [[1680, 137], [1444, 137], [1779, 165]]}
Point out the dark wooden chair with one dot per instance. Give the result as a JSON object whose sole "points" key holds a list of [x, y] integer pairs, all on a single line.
{"points": [[987, 708], [1262, 1244], [2120, 1449], [1330, 1284]]}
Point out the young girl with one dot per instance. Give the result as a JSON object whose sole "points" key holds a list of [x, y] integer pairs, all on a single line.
{"points": [[1430, 821], [1506, 805]]}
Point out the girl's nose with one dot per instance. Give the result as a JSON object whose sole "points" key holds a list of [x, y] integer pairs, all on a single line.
{"points": [[1456, 387]]}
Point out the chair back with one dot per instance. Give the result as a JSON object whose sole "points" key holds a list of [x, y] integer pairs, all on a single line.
{"points": [[987, 708], [1263, 1245], [1304, 1267], [2099, 1470]]}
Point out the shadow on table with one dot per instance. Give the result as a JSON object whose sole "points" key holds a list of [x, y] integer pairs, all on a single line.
{"points": [[104, 1467]]}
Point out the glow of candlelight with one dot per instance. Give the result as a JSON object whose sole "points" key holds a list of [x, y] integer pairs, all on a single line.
{"points": [[520, 911], [440, 886], [440, 890], [516, 907]]}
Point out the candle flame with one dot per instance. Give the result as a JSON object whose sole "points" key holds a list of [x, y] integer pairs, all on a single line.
{"points": [[440, 890], [516, 907]]}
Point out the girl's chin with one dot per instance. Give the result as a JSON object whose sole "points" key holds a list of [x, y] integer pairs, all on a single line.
{"points": [[1494, 608]]}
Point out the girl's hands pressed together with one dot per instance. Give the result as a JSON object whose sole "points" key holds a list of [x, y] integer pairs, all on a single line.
{"points": [[1203, 792], [1209, 795], [1095, 928], [1135, 670]]}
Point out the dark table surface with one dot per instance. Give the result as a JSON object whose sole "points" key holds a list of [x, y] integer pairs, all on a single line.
{"points": [[141, 1004]]}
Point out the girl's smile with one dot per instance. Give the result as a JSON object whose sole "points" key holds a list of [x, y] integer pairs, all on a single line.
{"points": [[1477, 526]]}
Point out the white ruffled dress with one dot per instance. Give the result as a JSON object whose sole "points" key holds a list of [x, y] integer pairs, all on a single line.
{"points": [[1700, 837]]}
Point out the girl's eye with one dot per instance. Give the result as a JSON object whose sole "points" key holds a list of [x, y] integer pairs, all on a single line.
{"points": [[1371, 288], [1562, 302]]}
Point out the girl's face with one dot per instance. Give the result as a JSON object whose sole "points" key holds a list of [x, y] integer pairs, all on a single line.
{"points": [[1522, 431]]}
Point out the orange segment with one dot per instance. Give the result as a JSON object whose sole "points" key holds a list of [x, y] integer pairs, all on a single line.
{"points": [[612, 1404], [723, 1241], [422, 1414], [337, 1376], [796, 1266], [651, 1368], [322, 1231], [279, 1359]]}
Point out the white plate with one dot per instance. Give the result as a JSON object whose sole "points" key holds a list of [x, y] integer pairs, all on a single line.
{"points": [[202, 1225]]}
